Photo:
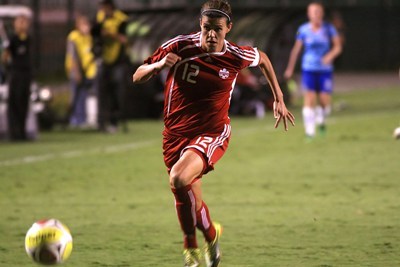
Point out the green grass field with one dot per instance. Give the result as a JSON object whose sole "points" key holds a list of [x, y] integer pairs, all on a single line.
{"points": [[282, 201]]}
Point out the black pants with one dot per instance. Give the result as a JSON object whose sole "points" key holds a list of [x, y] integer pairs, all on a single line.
{"points": [[18, 103], [111, 89]]}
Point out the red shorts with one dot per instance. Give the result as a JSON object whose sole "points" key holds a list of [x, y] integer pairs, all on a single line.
{"points": [[210, 147]]}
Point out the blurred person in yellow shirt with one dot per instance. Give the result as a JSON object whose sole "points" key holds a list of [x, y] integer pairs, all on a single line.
{"points": [[81, 69], [110, 40]]}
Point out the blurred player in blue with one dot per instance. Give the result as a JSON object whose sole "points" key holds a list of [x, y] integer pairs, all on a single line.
{"points": [[322, 45]]}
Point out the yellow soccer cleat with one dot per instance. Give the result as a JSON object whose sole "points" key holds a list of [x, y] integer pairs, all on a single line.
{"points": [[212, 253], [191, 257]]}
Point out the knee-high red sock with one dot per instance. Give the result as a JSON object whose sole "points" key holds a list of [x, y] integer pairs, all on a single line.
{"points": [[185, 205], [204, 223]]}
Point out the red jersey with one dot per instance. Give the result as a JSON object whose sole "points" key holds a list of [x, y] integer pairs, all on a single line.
{"points": [[198, 88]]}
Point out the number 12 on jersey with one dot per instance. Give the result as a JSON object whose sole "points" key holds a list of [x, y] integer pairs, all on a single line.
{"points": [[189, 72]]}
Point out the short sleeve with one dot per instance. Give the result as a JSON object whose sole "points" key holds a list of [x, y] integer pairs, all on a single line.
{"points": [[332, 31], [256, 60], [162, 51], [248, 56], [300, 35], [158, 55]]}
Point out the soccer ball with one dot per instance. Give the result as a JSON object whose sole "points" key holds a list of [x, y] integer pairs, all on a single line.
{"points": [[396, 133], [48, 242]]}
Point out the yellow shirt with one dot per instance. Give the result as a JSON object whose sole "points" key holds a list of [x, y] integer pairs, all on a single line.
{"points": [[111, 48], [79, 48]]}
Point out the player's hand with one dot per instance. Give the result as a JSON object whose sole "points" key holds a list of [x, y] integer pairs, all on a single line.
{"points": [[169, 60], [282, 113], [327, 59]]}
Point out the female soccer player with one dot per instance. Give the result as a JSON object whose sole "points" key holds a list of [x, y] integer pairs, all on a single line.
{"points": [[203, 67], [322, 45]]}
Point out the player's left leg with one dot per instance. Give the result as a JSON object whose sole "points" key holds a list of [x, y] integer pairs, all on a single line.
{"points": [[323, 110], [211, 230], [214, 148], [198, 158], [212, 253]]}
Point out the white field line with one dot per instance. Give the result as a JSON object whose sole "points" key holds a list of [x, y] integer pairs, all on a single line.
{"points": [[108, 149], [78, 153]]}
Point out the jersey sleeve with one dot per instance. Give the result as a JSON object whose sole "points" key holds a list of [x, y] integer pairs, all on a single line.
{"points": [[162, 51], [159, 54], [250, 56], [256, 61], [332, 31], [300, 35]]}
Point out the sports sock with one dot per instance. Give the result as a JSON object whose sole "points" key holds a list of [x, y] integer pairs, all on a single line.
{"points": [[185, 205], [309, 121], [321, 113], [204, 223], [327, 111]]}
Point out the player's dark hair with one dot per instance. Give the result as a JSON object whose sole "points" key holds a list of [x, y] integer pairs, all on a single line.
{"points": [[108, 3], [319, 3], [217, 9]]}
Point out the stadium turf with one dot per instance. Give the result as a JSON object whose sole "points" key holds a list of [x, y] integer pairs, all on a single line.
{"points": [[282, 201]]}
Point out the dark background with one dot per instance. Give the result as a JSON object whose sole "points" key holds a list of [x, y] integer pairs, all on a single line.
{"points": [[372, 33]]}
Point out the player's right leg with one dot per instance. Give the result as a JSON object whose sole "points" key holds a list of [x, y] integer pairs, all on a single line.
{"points": [[308, 112], [309, 84], [182, 174]]}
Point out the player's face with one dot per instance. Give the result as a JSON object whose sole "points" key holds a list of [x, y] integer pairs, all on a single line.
{"points": [[213, 32], [315, 14], [107, 9], [83, 25], [21, 24]]}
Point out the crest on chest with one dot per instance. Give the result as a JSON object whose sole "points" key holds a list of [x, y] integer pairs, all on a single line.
{"points": [[223, 73]]}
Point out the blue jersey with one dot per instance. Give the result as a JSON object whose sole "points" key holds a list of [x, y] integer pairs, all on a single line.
{"points": [[316, 45]]}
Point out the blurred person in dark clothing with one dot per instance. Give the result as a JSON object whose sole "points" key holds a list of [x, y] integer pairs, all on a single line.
{"points": [[109, 45], [17, 56]]}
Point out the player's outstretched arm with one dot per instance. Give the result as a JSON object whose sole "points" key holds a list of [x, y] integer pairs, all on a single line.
{"points": [[280, 110], [146, 71], [294, 54]]}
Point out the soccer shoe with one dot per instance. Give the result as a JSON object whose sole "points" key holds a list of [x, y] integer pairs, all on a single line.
{"points": [[212, 253], [191, 257], [322, 130], [309, 139]]}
